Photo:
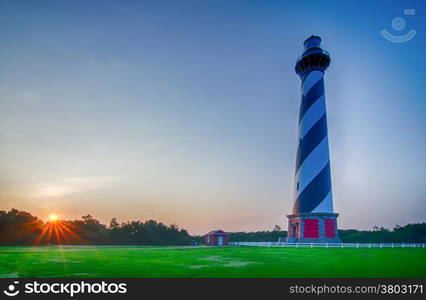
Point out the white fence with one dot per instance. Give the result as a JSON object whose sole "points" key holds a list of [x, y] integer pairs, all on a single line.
{"points": [[329, 245]]}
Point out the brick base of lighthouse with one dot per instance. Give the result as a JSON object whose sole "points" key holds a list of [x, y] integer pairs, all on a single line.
{"points": [[313, 228]]}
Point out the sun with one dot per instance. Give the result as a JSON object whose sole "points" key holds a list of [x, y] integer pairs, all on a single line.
{"points": [[53, 218], [57, 231]]}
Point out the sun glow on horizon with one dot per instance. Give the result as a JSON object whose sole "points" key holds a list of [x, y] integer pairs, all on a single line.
{"points": [[53, 218], [57, 231]]}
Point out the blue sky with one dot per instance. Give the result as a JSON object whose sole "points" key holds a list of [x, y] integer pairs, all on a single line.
{"points": [[186, 111]]}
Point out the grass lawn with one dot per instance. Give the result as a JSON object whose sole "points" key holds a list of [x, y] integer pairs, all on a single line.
{"points": [[122, 261]]}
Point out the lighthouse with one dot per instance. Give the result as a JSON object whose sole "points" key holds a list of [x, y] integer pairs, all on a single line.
{"points": [[313, 219]]}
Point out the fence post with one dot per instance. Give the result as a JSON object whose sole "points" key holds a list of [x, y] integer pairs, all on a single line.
{"points": [[326, 245], [357, 245], [311, 245], [342, 245], [369, 245]]}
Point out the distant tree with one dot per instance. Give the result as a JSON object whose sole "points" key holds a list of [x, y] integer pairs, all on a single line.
{"points": [[89, 220], [113, 224], [19, 227], [277, 228]]}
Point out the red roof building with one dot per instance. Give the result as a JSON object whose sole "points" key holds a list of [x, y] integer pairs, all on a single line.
{"points": [[217, 238]]}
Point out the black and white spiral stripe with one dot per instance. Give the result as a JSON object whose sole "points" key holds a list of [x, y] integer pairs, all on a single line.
{"points": [[313, 178]]}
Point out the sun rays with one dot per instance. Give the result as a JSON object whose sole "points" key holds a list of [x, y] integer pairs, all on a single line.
{"points": [[58, 232]]}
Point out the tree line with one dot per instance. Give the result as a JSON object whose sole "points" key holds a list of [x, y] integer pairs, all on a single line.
{"points": [[275, 235], [22, 228], [410, 233]]}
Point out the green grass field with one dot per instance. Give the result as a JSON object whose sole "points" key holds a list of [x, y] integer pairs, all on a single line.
{"points": [[99, 261]]}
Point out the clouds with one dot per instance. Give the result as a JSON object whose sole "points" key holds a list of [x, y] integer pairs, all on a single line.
{"points": [[64, 187]]}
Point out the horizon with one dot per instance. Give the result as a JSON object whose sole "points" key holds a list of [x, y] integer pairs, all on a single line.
{"points": [[187, 112], [57, 218]]}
